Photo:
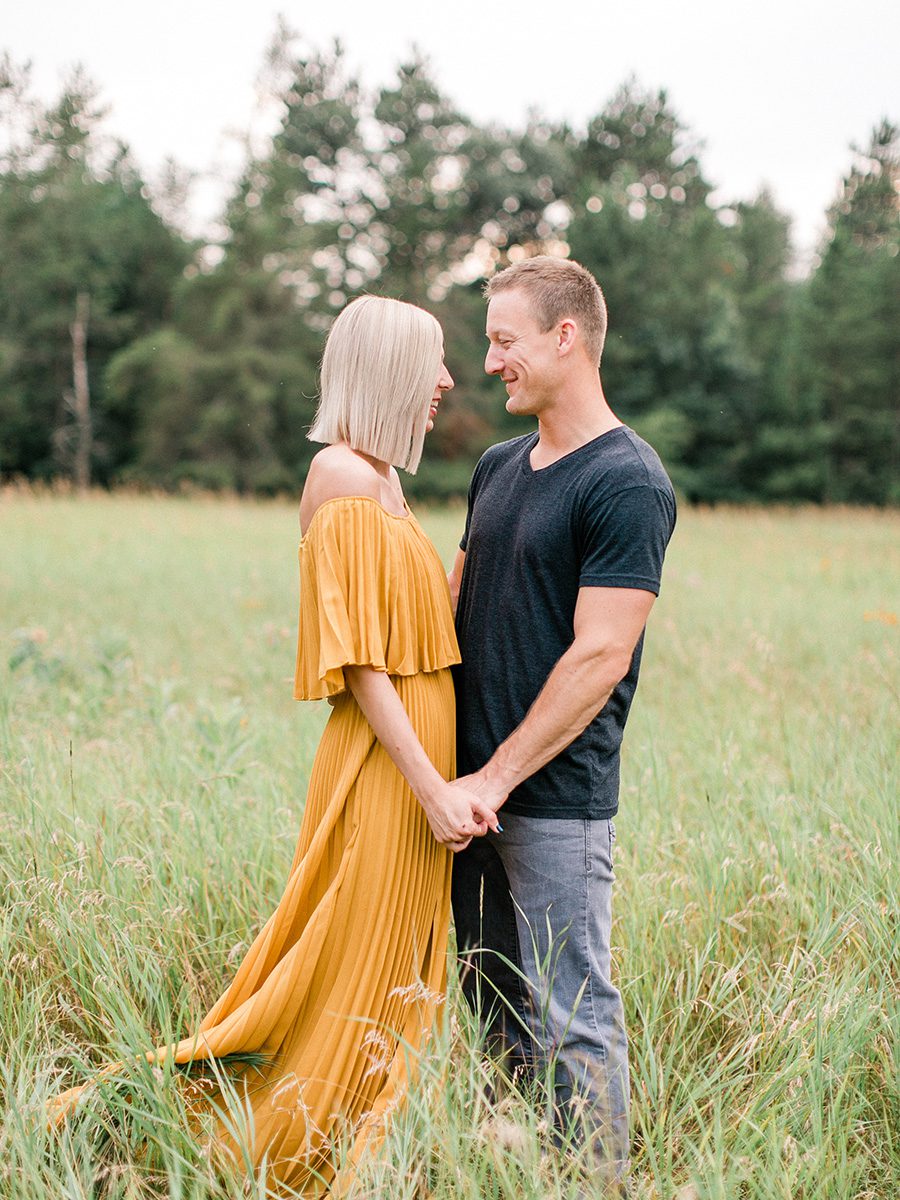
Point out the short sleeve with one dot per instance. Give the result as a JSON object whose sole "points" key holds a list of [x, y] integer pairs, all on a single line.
{"points": [[372, 593], [624, 538]]}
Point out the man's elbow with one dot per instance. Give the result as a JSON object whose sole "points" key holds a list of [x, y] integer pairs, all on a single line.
{"points": [[617, 665], [603, 667]]}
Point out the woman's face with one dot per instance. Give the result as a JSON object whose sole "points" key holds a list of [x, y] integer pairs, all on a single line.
{"points": [[443, 384]]}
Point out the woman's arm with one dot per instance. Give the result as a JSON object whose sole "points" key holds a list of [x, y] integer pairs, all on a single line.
{"points": [[454, 579], [455, 815]]}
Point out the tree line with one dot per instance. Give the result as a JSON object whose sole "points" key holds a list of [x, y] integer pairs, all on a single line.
{"points": [[131, 354]]}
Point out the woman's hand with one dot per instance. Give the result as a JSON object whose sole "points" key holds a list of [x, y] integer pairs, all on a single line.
{"points": [[456, 816]]}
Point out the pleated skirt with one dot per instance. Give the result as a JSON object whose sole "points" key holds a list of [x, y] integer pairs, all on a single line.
{"points": [[341, 988]]}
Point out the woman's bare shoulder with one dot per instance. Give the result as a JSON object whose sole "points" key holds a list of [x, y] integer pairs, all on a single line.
{"points": [[334, 472]]}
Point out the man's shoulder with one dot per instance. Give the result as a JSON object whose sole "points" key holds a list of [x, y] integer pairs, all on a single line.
{"points": [[625, 461]]}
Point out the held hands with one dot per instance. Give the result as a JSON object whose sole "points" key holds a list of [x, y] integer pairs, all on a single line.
{"points": [[456, 815]]}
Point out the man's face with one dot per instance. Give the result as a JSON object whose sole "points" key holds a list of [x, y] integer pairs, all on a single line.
{"points": [[526, 359]]}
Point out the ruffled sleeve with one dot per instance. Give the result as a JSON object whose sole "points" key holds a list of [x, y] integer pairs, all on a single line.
{"points": [[373, 593]]}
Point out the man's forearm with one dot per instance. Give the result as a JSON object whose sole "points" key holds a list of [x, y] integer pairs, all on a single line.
{"points": [[607, 626], [576, 690]]}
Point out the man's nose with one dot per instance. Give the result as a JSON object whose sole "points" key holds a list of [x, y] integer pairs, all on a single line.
{"points": [[493, 362]]}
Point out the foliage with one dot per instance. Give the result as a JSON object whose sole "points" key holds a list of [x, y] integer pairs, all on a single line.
{"points": [[203, 360], [676, 365], [849, 351], [73, 218]]}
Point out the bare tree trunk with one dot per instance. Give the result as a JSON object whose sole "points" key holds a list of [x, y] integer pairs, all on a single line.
{"points": [[82, 397]]}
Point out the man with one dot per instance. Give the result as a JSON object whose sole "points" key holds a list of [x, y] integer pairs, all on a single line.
{"points": [[555, 577]]}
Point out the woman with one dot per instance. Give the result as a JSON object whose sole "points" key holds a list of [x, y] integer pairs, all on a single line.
{"points": [[343, 981]]}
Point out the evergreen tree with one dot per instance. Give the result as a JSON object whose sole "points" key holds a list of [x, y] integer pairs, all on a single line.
{"points": [[776, 443], [848, 356], [126, 353], [226, 395], [455, 201], [85, 266], [676, 365]]}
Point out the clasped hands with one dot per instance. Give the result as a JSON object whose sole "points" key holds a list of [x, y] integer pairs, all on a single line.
{"points": [[464, 809]]}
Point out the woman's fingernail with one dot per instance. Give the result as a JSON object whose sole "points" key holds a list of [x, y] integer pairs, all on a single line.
{"points": [[499, 828]]}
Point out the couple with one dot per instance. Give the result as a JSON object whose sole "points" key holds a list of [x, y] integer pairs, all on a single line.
{"points": [[555, 577]]}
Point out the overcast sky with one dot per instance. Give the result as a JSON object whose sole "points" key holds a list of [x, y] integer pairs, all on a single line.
{"points": [[776, 90]]}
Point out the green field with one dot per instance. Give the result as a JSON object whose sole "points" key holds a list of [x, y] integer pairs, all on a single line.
{"points": [[152, 776]]}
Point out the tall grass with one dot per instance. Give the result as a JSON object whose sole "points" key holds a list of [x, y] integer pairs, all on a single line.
{"points": [[153, 769]]}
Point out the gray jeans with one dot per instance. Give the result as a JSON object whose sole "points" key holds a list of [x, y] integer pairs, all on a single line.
{"points": [[532, 908]]}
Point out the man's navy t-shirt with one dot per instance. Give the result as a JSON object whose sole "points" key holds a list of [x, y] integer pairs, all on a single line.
{"points": [[599, 517]]}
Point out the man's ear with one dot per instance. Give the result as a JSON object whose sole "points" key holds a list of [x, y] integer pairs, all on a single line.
{"points": [[567, 335]]}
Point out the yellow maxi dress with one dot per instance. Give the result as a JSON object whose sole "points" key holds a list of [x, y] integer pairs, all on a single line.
{"points": [[339, 990]]}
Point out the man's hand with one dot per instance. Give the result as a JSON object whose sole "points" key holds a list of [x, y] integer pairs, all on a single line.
{"points": [[456, 815], [490, 792]]}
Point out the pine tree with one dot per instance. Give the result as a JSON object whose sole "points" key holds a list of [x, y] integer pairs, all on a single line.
{"points": [[849, 340], [85, 266]]}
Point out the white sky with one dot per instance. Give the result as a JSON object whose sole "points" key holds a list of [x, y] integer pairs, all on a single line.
{"points": [[775, 90]]}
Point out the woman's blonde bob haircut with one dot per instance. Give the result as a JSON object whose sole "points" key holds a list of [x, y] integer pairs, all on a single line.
{"points": [[379, 370]]}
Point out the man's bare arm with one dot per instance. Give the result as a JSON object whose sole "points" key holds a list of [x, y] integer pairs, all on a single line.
{"points": [[608, 623]]}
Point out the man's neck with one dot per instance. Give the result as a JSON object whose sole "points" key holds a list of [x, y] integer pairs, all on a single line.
{"points": [[575, 421]]}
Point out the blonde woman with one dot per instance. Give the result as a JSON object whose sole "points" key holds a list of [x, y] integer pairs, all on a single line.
{"points": [[339, 991]]}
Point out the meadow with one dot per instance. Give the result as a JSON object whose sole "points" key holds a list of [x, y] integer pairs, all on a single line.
{"points": [[152, 776]]}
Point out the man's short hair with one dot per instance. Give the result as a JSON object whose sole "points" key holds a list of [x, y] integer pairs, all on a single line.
{"points": [[381, 364], [558, 288]]}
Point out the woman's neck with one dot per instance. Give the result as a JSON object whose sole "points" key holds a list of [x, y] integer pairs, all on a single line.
{"points": [[377, 464]]}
